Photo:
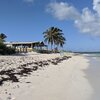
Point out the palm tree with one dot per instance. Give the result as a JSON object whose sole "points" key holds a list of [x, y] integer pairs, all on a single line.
{"points": [[54, 36], [2, 37], [49, 36], [60, 41]]}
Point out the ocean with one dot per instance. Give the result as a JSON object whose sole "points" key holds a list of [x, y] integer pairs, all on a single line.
{"points": [[93, 57], [91, 54]]}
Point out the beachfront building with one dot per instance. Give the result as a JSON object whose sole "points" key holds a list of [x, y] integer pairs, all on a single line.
{"points": [[27, 46]]}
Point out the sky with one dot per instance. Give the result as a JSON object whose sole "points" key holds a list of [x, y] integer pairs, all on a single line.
{"points": [[26, 20]]}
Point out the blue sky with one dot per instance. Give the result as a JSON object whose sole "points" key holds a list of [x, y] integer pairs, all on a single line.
{"points": [[26, 20]]}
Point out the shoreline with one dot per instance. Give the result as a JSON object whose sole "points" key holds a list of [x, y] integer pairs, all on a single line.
{"points": [[93, 76], [68, 80]]}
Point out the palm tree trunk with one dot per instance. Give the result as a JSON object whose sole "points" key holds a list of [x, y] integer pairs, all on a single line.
{"points": [[54, 48], [57, 47], [51, 47]]}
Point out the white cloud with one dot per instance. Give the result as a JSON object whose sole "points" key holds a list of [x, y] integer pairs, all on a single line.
{"points": [[61, 11], [86, 22], [96, 6], [29, 1]]}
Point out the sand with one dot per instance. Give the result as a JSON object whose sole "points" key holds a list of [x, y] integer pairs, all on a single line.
{"points": [[65, 81]]}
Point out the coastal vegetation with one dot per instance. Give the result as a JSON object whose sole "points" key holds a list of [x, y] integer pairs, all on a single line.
{"points": [[2, 37], [4, 50], [54, 37]]}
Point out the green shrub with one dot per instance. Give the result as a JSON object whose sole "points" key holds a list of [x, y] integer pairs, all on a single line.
{"points": [[44, 51], [10, 50], [6, 50], [2, 49]]}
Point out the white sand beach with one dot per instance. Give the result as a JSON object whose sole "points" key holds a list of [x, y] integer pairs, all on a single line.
{"points": [[67, 80]]}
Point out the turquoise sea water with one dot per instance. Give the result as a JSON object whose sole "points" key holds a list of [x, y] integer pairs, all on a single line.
{"points": [[95, 55], [91, 55]]}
